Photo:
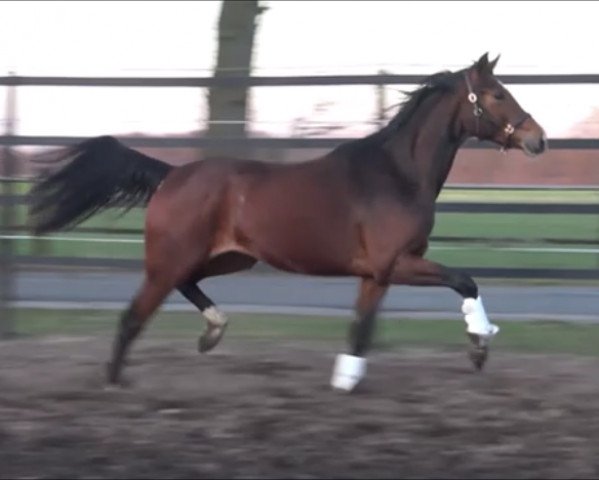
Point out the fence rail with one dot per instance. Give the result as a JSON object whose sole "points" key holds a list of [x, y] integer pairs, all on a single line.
{"points": [[568, 245], [265, 142], [263, 81], [481, 272], [277, 81], [447, 206]]}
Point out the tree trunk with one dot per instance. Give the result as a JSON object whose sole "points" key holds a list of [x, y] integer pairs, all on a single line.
{"points": [[228, 106]]}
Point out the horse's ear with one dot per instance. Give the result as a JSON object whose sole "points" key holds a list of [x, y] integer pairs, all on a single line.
{"points": [[493, 63], [482, 65]]}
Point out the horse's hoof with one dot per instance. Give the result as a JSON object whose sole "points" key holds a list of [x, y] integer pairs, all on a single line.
{"points": [[478, 357], [111, 374], [114, 379], [112, 387], [210, 339], [117, 385], [205, 344]]}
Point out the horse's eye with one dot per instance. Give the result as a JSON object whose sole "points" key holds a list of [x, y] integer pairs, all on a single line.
{"points": [[499, 95]]}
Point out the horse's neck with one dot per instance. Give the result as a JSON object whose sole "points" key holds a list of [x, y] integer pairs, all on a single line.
{"points": [[427, 145]]}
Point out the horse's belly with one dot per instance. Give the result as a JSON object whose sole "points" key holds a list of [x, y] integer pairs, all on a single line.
{"points": [[305, 250], [301, 240]]}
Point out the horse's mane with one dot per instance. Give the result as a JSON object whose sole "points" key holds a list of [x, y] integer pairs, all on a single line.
{"points": [[444, 81], [438, 82]]}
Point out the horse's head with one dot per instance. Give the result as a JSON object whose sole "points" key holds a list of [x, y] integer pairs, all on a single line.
{"points": [[490, 112]]}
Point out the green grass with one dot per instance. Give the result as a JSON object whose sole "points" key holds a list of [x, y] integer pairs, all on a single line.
{"points": [[530, 230], [537, 337], [518, 225], [486, 257], [500, 195], [483, 253], [497, 195]]}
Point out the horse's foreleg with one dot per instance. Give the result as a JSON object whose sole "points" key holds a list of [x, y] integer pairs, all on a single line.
{"points": [[350, 369], [216, 320], [133, 320], [418, 271]]}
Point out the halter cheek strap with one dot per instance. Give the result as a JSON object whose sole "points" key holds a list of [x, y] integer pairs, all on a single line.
{"points": [[508, 129]]}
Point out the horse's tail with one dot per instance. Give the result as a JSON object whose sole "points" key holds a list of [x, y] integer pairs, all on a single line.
{"points": [[101, 173]]}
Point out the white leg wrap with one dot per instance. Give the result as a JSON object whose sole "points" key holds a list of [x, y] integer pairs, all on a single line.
{"points": [[348, 372], [476, 318], [215, 317]]}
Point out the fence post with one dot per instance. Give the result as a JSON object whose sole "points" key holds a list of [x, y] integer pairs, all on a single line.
{"points": [[7, 221], [381, 101]]}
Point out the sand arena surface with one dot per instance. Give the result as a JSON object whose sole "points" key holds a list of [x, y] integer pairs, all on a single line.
{"points": [[265, 409]]}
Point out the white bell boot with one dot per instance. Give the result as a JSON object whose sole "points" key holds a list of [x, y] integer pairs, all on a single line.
{"points": [[347, 372]]}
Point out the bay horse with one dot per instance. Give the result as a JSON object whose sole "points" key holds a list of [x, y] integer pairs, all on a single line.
{"points": [[365, 209]]}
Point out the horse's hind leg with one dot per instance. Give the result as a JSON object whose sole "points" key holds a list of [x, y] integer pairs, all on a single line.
{"points": [[216, 321], [133, 320]]}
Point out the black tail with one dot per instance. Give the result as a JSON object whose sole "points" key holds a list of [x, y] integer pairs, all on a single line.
{"points": [[101, 173]]}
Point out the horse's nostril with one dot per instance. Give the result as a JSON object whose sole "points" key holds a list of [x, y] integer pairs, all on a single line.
{"points": [[541, 145], [535, 145]]}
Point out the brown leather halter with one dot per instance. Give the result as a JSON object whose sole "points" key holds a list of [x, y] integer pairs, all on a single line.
{"points": [[508, 129]]}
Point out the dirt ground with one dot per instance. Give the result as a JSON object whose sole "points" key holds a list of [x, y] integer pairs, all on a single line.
{"points": [[265, 409]]}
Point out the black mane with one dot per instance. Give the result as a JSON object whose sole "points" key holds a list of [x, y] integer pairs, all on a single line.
{"points": [[444, 81], [365, 157]]}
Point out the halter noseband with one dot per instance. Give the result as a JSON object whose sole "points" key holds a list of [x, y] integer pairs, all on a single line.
{"points": [[508, 128]]}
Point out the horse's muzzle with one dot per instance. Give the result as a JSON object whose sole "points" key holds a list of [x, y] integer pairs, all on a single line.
{"points": [[534, 145]]}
